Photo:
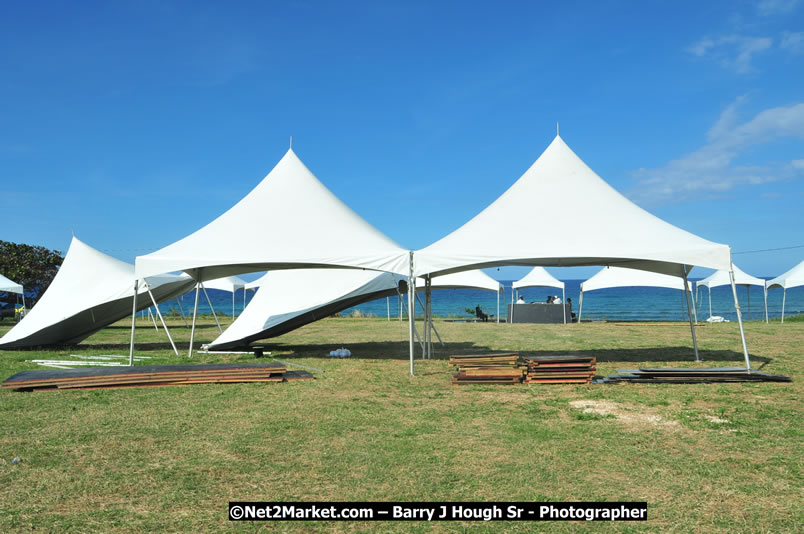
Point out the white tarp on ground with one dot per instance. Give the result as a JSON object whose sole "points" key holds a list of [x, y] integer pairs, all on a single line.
{"points": [[289, 220], [8, 285], [603, 228], [90, 291], [792, 278], [287, 300], [538, 277]]}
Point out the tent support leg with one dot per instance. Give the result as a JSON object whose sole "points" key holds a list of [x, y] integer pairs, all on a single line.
{"points": [[498, 305], [388, 305], [739, 318], [162, 319], [195, 314], [411, 310], [689, 313], [133, 324], [765, 292], [215, 315], [181, 312], [151, 315], [564, 303], [694, 307], [784, 298], [580, 306], [428, 333], [710, 302]]}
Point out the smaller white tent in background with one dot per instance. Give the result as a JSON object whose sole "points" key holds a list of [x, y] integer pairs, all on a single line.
{"points": [[792, 278], [474, 279], [90, 291], [539, 277], [610, 277], [721, 278], [230, 284], [12, 287]]}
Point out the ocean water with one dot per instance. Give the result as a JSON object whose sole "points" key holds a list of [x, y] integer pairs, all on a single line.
{"points": [[618, 304]]}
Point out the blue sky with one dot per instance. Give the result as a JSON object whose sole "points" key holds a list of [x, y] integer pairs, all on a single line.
{"points": [[137, 123]]}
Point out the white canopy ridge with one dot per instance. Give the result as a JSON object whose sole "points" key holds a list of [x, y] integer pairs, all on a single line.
{"points": [[721, 278], [609, 277], [289, 220], [226, 283], [605, 228], [538, 277], [90, 291], [792, 278]]}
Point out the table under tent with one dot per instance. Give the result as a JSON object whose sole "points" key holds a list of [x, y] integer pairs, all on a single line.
{"points": [[539, 277], [614, 277], [792, 278], [721, 278], [605, 229], [9, 286], [90, 291]]}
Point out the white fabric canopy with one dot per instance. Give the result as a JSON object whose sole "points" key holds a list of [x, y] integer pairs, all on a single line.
{"points": [[721, 278], [90, 291], [792, 278], [289, 220], [8, 285], [621, 277], [226, 283], [603, 228], [538, 277], [290, 299], [254, 284]]}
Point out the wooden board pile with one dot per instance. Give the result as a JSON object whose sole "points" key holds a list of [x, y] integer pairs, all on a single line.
{"points": [[690, 376], [500, 368], [151, 375], [560, 369]]}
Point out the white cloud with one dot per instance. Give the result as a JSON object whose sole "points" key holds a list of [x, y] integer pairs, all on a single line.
{"points": [[792, 42], [710, 170], [776, 7], [732, 51]]}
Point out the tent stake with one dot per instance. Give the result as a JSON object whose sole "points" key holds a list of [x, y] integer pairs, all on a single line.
{"points": [[133, 324], [689, 314]]}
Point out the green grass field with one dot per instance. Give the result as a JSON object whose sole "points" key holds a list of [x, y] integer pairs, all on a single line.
{"points": [[706, 458]]}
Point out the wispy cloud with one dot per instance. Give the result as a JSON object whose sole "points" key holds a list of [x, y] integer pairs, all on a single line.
{"points": [[734, 52], [792, 42], [768, 8], [711, 170]]}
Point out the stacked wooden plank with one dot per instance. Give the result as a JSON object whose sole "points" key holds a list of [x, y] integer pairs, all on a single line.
{"points": [[569, 369], [498, 368], [151, 375], [691, 376]]}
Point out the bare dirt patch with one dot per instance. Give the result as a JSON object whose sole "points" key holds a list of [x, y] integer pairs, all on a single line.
{"points": [[623, 414]]}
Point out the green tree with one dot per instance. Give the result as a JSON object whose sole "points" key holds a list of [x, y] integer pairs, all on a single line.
{"points": [[32, 266]]}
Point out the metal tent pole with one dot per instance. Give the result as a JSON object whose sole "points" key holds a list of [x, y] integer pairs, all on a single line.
{"points": [[498, 305], [434, 328], [428, 334], [233, 298], [765, 292], [694, 307], [739, 317], [133, 323], [195, 314], [784, 298], [215, 315], [388, 305], [162, 319], [580, 305], [564, 303], [710, 300], [181, 312], [689, 314], [411, 309], [748, 290]]}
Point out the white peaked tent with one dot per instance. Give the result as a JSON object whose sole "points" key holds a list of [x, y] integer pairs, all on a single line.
{"points": [[604, 228], [291, 299], [12, 287], [289, 220], [792, 278], [721, 278], [539, 277], [230, 284], [611, 277], [90, 291]]}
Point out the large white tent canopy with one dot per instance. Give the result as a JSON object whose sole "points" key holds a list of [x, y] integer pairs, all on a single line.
{"points": [[613, 277], [289, 299], [91, 290], [605, 229], [289, 220], [792, 278], [721, 278]]}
